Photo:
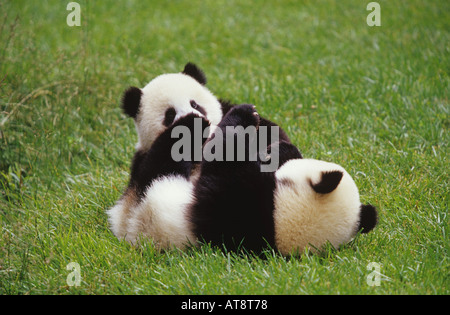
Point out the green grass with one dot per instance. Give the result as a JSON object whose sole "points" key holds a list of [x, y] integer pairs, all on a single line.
{"points": [[373, 99]]}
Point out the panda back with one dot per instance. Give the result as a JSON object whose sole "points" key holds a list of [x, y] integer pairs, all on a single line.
{"points": [[161, 216]]}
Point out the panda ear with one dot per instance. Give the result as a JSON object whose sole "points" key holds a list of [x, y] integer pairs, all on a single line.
{"points": [[368, 218], [328, 182], [131, 100], [193, 71]]}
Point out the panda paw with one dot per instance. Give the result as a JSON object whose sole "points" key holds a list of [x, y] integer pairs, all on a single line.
{"points": [[242, 115], [194, 123]]}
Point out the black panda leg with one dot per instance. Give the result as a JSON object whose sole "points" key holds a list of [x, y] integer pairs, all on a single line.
{"points": [[235, 136], [233, 206], [159, 160]]}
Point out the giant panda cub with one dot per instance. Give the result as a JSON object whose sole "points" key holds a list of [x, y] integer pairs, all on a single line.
{"points": [[304, 203], [168, 101], [159, 189]]}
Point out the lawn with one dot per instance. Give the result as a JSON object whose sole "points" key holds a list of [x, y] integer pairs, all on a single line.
{"points": [[373, 99]]}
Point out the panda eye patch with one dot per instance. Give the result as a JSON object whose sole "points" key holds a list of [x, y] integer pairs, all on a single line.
{"points": [[194, 105], [169, 116]]}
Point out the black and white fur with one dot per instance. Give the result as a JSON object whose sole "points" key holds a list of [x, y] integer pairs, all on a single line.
{"points": [[155, 201], [233, 204], [304, 203]]}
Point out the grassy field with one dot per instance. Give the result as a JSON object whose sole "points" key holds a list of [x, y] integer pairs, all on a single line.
{"points": [[373, 99]]}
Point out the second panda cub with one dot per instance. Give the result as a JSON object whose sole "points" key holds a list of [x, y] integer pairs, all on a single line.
{"points": [[303, 203], [151, 204]]}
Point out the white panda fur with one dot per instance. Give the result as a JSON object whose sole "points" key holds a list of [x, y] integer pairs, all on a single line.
{"points": [[162, 214], [304, 217]]}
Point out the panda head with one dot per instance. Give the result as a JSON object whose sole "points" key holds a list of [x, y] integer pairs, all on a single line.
{"points": [[167, 98], [317, 202]]}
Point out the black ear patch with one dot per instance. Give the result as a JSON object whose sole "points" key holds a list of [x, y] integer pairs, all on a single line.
{"points": [[131, 100], [328, 182], [193, 71], [368, 218]]}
